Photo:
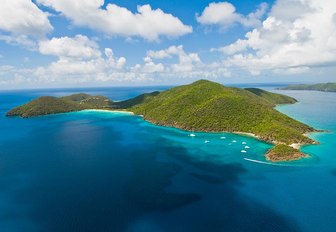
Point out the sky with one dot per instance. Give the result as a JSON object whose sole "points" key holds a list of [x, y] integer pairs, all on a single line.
{"points": [[90, 43]]}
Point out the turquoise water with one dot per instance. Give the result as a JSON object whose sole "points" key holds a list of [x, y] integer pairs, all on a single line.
{"points": [[98, 171]]}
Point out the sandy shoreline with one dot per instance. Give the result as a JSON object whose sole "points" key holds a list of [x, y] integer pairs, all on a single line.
{"points": [[296, 145], [293, 145], [246, 134], [109, 111]]}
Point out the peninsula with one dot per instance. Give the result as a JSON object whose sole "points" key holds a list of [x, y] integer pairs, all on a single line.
{"points": [[201, 106], [324, 87], [52, 105]]}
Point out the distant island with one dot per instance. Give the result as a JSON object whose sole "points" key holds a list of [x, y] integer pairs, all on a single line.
{"points": [[53, 105], [325, 87], [201, 106]]}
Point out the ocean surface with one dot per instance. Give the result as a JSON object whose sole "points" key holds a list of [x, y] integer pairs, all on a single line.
{"points": [[98, 171]]}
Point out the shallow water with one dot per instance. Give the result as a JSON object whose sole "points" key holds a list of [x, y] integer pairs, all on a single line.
{"points": [[98, 171]]}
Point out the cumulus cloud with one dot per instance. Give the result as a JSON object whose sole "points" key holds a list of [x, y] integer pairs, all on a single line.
{"points": [[187, 61], [238, 46], [80, 60], [20, 20], [176, 64], [147, 23], [224, 14], [22, 40], [78, 47], [180, 64], [297, 35], [77, 55], [23, 17]]}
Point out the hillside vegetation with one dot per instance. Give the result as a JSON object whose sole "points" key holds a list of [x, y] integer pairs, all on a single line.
{"points": [[325, 87], [273, 98], [283, 152], [53, 105], [209, 106], [134, 101], [201, 106]]}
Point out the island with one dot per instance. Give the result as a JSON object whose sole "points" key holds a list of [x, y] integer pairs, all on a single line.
{"points": [[201, 106], [282, 152], [324, 87], [52, 105]]}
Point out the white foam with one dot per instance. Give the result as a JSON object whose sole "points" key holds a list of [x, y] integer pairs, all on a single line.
{"points": [[267, 163]]}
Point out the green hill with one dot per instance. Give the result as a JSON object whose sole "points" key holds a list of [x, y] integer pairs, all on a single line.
{"points": [[134, 101], [283, 152], [208, 106], [273, 98], [89, 101], [53, 105], [200, 106], [325, 87]]}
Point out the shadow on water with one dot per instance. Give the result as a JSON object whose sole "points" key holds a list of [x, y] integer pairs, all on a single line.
{"points": [[146, 187], [212, 170], [333, 172], [91, 181], [223, 207]]}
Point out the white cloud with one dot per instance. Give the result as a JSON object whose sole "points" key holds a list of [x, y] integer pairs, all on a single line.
{"points": [[151, 67], [181, 64], [112, 61], [80, 61], [77, 55], [22, 18], [22, 40], [225, 14], [297, 35], [292, 71], [238, 46], [166, 53], [147, 23], [187, 61], [6, 68], [78, 47]]}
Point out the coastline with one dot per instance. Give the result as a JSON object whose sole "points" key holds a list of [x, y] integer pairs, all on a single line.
{"points": [[296, 145], [247, 134], [295, 155], [108, 111], [284, 146]]}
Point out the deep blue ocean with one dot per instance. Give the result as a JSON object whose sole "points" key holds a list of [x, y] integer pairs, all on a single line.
{"points": [[97, 171]]}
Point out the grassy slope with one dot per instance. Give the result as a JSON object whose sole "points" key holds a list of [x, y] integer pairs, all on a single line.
{"points": [[208, 106], [135, 101], [89, 101], [52, 105], [282, 152], [201, 106], [272, 97], [326, 87]]}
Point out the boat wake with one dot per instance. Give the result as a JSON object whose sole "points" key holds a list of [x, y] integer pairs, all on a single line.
{"points": [[267, 163]]}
